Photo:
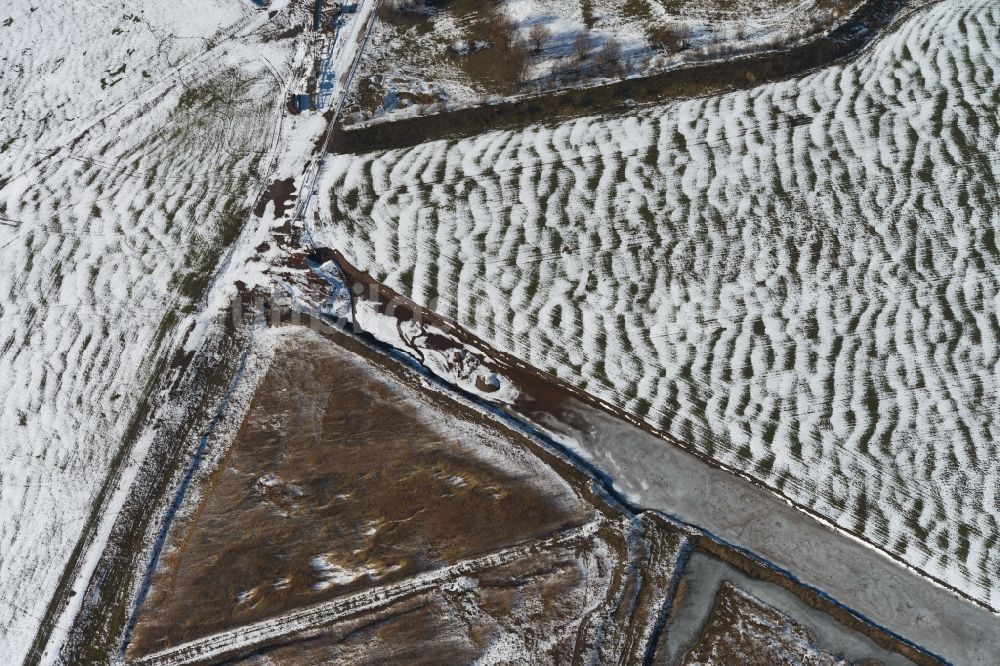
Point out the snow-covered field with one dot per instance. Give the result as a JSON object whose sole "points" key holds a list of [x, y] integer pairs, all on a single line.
{"points": [[132, 136], [439, 58], [800, 280]]}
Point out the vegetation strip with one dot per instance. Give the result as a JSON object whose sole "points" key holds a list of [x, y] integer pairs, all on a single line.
{"points": [[621, 97], [98, 630]]}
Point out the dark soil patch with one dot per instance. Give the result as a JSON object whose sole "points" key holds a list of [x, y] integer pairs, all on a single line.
{"points": [[279, 192], [742, 630]]}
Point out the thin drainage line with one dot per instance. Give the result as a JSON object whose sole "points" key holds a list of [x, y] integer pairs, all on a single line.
{"points": [[175, 505], [667, 606]]}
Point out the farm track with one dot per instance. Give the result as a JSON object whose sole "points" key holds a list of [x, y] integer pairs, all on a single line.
{"points": [[241, 640], [190, 383]]}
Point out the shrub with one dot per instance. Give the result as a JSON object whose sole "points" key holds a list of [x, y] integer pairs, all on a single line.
{"points": [[669, 38], [511, 62]]}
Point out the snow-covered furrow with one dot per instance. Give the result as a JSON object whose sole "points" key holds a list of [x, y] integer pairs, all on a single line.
{"points": [[130, 139], [800, 280]]}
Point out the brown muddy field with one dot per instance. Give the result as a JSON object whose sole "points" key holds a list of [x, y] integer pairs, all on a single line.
{"points": [[411, 527], [741, 629], [339, 479], [543, 607]]}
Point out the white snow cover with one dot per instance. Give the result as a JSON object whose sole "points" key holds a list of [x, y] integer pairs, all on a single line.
{"points": [[709, 28], [461, 366], [109, 178], [801, 280]]}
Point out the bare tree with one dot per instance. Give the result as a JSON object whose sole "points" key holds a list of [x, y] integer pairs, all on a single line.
{"points": [[510, 67], [502, 33], [582, 43], [609, 58], [517, 66], [537, 37], [587, 9]]}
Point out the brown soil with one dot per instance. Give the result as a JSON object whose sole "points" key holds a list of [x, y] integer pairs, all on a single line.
{"points": [[756, 569], [341, 478], [542, 601], [742, 630], [280, 191], [348, 476]]}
